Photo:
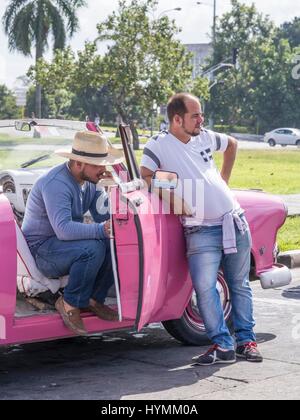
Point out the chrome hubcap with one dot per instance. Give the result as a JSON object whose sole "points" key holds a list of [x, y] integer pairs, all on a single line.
{"points": [[192, 314]]}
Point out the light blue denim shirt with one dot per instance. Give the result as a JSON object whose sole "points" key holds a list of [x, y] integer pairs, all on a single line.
{"points": [[56, 206]]}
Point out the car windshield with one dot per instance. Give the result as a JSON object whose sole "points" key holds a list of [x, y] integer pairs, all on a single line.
{"points": [[22, 149], [35, 148]]}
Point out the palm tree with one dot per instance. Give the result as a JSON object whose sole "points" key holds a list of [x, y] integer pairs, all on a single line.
{"points": [[28, 24]]}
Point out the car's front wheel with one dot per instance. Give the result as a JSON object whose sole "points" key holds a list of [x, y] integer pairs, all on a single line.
{"points": [[272, 143], [298, 143], [190, 329]]}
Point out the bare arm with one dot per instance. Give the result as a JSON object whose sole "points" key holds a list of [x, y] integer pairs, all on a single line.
{"points": [[147, 175], [177, 204], [229, 159]]}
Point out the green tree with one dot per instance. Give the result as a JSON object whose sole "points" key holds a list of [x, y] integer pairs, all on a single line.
{"points": [[79, 76], [260, 93], [291, 32], [54, 78], [144, 63], [200, 88], [29, 23], [8, 106], [30, 103]]}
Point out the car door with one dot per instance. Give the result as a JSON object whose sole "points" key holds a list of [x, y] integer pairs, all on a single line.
{"points": [[291, 136], [147, 242], [139, 264], [153, 277], [279, 136]]}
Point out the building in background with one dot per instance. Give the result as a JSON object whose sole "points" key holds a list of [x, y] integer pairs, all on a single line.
{"points": [[200, 53], [20, 89]]}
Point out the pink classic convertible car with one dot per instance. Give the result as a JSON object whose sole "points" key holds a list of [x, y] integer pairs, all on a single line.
{"points": [[152, 282]]}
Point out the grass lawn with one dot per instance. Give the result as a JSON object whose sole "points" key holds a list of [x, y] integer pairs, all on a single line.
{"points": [[272, 171], [117, 140], [289, 234], [13, 159], [6, 140], [4, 137], [276, 172]]}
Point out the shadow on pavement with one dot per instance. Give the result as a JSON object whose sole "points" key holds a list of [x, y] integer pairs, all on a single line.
{"points": [[109, 366], [265, 337], [292, 293]]}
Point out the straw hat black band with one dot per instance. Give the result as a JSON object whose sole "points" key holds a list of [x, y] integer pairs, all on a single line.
{"points": [[92, 148], [91, 155]]}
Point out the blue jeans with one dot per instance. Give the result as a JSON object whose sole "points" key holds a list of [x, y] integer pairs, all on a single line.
{"points": [[205, 256], [87, 262]]}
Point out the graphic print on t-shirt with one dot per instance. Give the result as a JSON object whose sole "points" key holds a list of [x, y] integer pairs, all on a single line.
{"points": [[206, 155]]}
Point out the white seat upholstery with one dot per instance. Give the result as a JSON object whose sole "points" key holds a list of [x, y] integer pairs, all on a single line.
{"points": [[30, 280]]}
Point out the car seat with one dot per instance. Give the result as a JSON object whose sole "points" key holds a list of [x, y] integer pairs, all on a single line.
{"points": [[30, 280]]}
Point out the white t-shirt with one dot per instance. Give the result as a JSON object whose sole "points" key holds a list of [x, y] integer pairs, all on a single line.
{"points": [[201, 184]]}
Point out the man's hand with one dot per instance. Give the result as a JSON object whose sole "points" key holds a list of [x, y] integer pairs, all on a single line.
{"points": [[147, 175], [177, 205], [106, 175], [106, 179], [107, 228]]}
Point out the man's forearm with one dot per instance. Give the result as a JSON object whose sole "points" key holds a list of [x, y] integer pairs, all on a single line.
{"points": [[176, 204], [229, 159], [76, 231]]}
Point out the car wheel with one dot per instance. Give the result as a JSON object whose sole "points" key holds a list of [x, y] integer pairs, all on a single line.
{"points": [[298, 143], [189, 329], [272, 143]]}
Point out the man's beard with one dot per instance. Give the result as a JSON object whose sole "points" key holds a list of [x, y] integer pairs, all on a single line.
{"points": [[194, 133], [85, 177]]}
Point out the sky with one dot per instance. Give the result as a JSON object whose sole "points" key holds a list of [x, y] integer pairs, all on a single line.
{"points": [[194, 20]]}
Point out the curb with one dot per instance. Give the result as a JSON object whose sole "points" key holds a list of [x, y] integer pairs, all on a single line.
{"points": [[248, 137], [290, 258]]}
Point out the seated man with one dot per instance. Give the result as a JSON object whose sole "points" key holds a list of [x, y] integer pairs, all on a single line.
{"points": [[59, 240]]}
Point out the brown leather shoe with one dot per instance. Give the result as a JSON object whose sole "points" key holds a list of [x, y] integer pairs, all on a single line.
{"points": [[104, 312], [72, 319]]}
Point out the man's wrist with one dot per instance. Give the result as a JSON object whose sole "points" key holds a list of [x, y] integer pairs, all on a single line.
{"points": [[102, 231]]}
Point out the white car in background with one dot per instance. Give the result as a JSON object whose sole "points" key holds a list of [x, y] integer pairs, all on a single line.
{"points": [[283, 136]]}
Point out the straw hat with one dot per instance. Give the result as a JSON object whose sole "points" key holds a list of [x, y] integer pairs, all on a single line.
{"points": [[92, 148]]}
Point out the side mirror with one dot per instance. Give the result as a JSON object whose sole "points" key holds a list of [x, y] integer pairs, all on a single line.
{"points": [[165, 180], [22, 126]]}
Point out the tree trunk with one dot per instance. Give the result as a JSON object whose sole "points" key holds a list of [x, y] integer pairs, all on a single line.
{"points": [[119, 121], [38, 101], [38, 55], [135, 135]]}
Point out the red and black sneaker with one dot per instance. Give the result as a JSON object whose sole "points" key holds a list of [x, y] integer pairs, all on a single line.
{"points": [[249, 352], [215, 355]]}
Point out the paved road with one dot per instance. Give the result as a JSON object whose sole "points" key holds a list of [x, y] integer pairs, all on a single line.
{"points": [[243, 145], [293, 203], [250, 145], [152, 365]]}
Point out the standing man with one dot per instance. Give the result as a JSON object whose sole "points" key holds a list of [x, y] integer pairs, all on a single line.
{"points": [[60, 242], [163, 125], [217, 234]]}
